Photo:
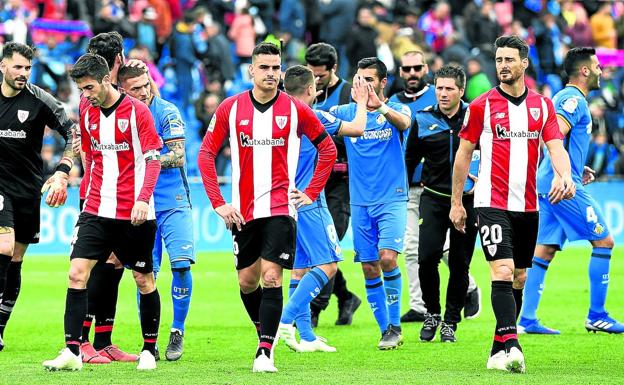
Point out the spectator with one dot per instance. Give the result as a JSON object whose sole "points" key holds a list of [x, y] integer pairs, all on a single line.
{"points": [[478, 81], [184, 54], [603, 27], [217, 64], [338, 16], [205, 107], [363, 41], [146, 32], [577, 24], [111, 15], [480, 23], [243, 34], [15, 17], [164, 23], [436, 24]]}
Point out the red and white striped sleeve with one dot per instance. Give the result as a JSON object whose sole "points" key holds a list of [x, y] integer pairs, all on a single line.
{"points": [[473, 121]]}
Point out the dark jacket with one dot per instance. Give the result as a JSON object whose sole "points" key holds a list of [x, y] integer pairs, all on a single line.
{"points": [[434, 137]]}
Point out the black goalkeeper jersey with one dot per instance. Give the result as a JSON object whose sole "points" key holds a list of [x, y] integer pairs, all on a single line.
{"points": [[23, 119]]}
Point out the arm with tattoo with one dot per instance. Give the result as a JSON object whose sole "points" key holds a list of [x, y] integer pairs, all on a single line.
{"points": [[176, 155]]}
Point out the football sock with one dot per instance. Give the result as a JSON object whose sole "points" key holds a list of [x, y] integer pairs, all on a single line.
{"points": [[181, 289], [270, 313], [340, 287], [150, 320], [252, 305], [534, 287], [75, 310], [517, 294], [106, 306], [303, 319], [11, 292], [599, 279], [392, 285], [308, 288], [376, 296], [504, 306], [5, 261]]}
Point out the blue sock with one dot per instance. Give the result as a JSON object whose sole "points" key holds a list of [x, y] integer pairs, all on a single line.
{"points": [[376, 296], [309, 287], [534, 287], [392, 284], [181, 289], [598, 279], [303, 319]]}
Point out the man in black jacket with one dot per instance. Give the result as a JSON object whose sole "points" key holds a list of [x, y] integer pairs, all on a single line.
{"points": [[434, 137]]}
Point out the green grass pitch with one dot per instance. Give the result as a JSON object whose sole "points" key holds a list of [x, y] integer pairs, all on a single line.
{"points": [[220, 340]]}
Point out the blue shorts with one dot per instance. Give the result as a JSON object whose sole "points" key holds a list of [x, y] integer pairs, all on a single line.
{"points": [[316, 247], [175, 228], [570, 220], [378, 227]]}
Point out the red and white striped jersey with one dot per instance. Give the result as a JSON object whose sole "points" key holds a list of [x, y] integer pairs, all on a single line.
{"points": [[264, 144], [116, 139], [508, 131]]}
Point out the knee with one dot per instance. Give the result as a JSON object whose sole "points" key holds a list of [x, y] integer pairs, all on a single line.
{"points": [[271, 278], [247, 285], [145, 282], [330, 269], [371, 270], [388, 259], [502, 273], [607, 243], [520, 276], [7, 247], [297, 274], [78, 277]]}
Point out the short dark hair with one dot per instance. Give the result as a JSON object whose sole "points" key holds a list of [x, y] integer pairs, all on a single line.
{"points": [[297, 78], [373, 62], [265, 48], [513, 41], [321, 54], [576, 58], [127, 72], [90, 65], [108, 45], [19, 48], [451, 71]]}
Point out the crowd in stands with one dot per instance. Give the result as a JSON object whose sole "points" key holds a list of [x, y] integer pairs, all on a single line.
{"points": [[198, 50]]}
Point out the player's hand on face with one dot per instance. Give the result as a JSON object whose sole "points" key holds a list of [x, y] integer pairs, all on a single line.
{"points": [[299, 198], [373, 99], [588, 175], [139, 213], [56, 186], [231, 216], [458, 218], [359, 90]]}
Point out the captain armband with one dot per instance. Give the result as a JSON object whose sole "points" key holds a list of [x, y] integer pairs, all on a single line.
{"points": [[151, 155]]}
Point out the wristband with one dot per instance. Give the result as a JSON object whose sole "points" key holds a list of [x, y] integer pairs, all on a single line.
{"points": [[383, 109], [62, 167]]}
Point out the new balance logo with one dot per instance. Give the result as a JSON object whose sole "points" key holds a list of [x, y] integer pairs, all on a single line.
{"points": [[284, 256], [140, 264], [244, 122]]}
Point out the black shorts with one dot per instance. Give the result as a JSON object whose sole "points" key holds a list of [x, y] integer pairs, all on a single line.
{"points": [[508, 235], [272, 239], [22, 215], [96, 238]]}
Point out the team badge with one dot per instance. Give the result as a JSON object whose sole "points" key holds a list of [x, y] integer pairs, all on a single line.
{"points": [[122, 124], [570, 105], [281, 121], [380, 119], [535, 113], [492, 249], [598, 229], [22, 115]]}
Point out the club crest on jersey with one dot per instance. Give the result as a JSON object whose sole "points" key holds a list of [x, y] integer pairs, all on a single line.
{"points": [[535, 113], [122, 124], [598, 229], [492, 249], [22, 115], [281, 121]]}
